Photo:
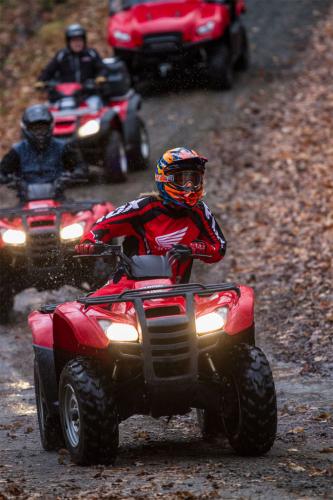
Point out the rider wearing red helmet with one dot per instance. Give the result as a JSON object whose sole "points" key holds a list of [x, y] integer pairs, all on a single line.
{"points": [[173, 220]]}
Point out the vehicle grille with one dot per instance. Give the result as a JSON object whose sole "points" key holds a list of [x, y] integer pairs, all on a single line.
{"points": [[43, 248], [170, 344], [155, 312], [42, 223], [165, 42]]}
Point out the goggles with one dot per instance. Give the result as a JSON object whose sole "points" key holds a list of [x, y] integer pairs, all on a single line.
{"points": [[183, 178]]}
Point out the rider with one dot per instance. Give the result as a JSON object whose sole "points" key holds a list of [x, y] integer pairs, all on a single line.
{"points": [[76, 62], [173, 220], [39, 157]]}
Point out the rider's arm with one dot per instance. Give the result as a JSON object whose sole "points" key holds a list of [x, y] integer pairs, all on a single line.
{"points": [[123, 221], [73, 161], [51, 69], [211, 241], [99, 67], [10, 164]]}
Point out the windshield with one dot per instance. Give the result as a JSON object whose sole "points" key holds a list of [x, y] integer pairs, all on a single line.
{"points": [[38, 191]]}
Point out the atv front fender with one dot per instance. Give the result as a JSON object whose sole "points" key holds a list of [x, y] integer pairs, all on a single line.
{"points": [[42, 335], [110, 116], [77, 332], [241, 314]]}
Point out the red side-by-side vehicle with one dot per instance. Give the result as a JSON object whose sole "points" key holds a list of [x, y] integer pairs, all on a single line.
{"points": [[202, 36]]}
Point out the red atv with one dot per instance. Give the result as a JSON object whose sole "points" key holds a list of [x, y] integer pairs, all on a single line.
{"points": [[37, 238], [153, 36], [147, 346], [104, 120]]}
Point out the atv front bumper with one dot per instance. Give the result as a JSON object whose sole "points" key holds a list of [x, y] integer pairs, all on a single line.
{"points": [[172, 368]]}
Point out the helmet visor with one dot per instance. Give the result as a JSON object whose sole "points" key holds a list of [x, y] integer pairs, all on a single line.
{"points": [[40, 130]]}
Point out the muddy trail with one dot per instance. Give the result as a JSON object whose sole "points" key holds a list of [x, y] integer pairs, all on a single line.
{"points": [[157, 458]]}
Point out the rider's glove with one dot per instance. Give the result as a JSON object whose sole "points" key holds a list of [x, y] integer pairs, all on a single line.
{"points": [[85, 248], [202, 249], [179, 252], [100, 79], [39, 85]]}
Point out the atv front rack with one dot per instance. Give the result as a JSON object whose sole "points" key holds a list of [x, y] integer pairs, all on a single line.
{"points": [[156, 292], [72, 207], [160, 292]]}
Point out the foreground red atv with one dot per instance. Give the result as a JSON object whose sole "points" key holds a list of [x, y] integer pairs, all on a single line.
{"points": [[104, 120], [153, 36], [36, 241], [148, 346]]}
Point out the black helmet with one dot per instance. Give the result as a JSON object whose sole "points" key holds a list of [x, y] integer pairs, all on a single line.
{"points": [[37, 125], [75, 31]]}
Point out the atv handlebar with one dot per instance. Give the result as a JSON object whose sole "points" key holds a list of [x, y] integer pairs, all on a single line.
{"points": [[106, 250]]}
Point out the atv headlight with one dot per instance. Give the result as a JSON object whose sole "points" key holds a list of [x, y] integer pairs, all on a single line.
{"points": [[72, 232], [211, 322], [206, 28], [14, 237], [89, 128], [122, 36], [119, 332]]}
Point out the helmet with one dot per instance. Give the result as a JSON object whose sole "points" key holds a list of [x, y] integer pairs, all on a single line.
{"points": [[179, 176], [37, 125], [75, 31]]}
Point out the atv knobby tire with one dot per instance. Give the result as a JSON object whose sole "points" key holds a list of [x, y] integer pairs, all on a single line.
{"points": [[115, 159], [243, 62], [138, 158], [49, 425], [89, 416], [248, 400], [6, 300], [220, 68]]}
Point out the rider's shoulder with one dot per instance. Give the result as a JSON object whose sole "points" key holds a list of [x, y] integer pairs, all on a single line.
{"points": [[61, 54], [18, 146], [204, 208], [92, 52]]}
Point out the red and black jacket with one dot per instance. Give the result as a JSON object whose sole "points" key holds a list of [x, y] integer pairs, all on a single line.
{"points": [[152, 227]]}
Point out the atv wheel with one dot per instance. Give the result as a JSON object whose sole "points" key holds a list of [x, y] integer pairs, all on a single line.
{"points": [[6, 303], [49, 425], [88, 414], [243, 62], [220, 69], [249, 401], [138, 158], [115, 161]]}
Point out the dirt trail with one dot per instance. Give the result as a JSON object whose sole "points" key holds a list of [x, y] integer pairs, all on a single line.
{"points": [[157, 459]]}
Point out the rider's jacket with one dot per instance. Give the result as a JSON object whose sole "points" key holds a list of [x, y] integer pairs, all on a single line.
{"points": [[67, 66], [151, 226], [32, 165]]}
